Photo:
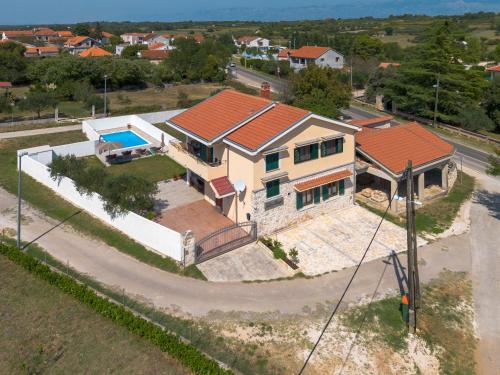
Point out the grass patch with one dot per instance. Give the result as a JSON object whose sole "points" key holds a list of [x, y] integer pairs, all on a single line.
{"points": [[444, 322], [47, 331], [153, 168], [56, 207], [398, 220], [169, 130], [436, 216], [43, 125]]}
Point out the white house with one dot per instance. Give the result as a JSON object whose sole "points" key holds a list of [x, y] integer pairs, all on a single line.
{"points": [[135, 38], [252, 41], [320, 56], [79, 44], [157, 38]]}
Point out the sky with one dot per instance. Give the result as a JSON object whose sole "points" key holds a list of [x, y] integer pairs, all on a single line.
{"points": [[31, 12]]}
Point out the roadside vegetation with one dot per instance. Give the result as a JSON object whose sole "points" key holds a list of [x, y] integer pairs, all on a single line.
{"points": [[444, 323], [57, 208], [167, 342], [47, 331]]}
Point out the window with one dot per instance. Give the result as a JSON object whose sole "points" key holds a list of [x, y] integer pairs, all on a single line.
{"points": [[272, 162], [337, 59], [333, 146], [305, 153], [272, 188], [308, 197]]}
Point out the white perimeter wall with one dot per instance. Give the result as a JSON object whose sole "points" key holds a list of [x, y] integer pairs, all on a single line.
{"points": [[148, 233]]}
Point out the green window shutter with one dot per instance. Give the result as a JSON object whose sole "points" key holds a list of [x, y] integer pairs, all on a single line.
{"points": [[300, 202], [210, 154], [272, 188], [314, 151], [317, 195], [203, 152], [339, 146], [325, 192], [272, 162], [296, 156], [341, 187], [323, 149]]}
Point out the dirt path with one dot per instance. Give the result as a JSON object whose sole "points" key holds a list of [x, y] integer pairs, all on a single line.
{"points": [[485, 250], [28, 133], [197, 297]]}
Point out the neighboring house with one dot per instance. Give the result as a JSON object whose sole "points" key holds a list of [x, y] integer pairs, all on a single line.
{"points": [[120, 47], [385, 65], [78, 44], [284, 54], [44, 34], [66, 34], [259, 160], [158, 46], [252, 42], [494, 71], [156, 38], [17, 34], [106, 37], [320, 56], [383, 154], [41, 51], [95, 52], [373, 122], [136, 38], [155, 56]]}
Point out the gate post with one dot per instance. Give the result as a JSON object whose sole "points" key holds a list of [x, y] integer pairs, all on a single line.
{"points": [[188, 248]]}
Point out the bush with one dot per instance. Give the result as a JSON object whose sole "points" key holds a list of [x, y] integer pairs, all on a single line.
{"points": [[189, 356], [275, 246]]}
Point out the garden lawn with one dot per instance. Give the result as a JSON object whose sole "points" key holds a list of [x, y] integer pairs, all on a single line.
{"points": [[56, 207], [154, 168], [171, 131], [47, 331]]}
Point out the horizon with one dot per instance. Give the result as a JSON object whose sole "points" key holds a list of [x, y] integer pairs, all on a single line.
{"points": [[224, 10]]}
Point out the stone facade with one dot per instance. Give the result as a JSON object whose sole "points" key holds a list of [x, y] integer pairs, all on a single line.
{"points": [[452, 174], [285, 213]]}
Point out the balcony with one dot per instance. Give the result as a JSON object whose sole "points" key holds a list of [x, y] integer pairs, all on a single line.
{"points": [[185, 156]]}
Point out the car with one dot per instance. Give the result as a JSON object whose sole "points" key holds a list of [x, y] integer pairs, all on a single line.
{"points": [[232, 65]]}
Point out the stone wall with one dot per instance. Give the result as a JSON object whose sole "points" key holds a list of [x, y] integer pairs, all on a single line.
{"points": [[272, 219], [452, 174]]}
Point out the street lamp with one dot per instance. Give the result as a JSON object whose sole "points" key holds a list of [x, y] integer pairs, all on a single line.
{"points": [[19, 167], [105, 98], [436, 86]]}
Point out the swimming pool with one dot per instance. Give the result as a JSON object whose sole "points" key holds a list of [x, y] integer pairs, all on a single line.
{"points": [[127, 138]]}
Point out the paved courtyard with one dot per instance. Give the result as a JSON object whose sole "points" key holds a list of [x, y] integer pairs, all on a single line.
{"points": [[337, 240], [250, 262], [175, 193]]}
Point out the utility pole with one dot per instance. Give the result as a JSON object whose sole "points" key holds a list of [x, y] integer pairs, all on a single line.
{"points": [[411, 237], [434, 122], [105, 96], [19, 189]]}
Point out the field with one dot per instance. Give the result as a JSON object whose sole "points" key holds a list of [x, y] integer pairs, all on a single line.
{"points": [[46, 331]]}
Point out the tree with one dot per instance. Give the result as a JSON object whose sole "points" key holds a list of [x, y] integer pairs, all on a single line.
{"points": [[493, 168], [131, 51], [37, 100], [321, 91], [12, 62], [491, 103], [82, 29], [474, 118]]}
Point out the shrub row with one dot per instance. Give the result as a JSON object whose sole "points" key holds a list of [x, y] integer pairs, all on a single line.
{"points": [[189, 356]]}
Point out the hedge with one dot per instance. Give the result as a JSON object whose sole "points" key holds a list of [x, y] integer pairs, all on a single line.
{"points": [[187, 355]]}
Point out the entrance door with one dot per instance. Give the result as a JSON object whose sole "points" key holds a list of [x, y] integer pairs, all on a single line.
{"points": [[218, 204]]}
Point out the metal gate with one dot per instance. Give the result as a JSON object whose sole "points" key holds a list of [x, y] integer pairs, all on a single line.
{"points": [[224, 240]]}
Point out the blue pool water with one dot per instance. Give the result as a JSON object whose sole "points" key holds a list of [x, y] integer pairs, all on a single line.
{"points": [[127, 138]]}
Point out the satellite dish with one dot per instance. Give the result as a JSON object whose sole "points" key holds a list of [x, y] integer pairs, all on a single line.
{"points": [[239, 186]]}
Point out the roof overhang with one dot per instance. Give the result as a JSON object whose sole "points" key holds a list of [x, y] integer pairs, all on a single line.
{"points": [[398, 175], [288, 130]]}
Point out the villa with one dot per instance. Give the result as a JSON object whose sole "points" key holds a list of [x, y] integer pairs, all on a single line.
{"points": [[263, 161]]}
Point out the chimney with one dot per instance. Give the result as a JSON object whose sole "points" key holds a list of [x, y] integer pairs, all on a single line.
{"points": [[265, 90]]}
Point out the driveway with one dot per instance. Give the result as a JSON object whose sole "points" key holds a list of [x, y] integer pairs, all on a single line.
{"points": [[337, 240], [250, 262]]}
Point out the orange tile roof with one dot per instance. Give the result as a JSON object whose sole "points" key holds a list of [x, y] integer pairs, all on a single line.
{"points": [[284, 52], [495, 68], [222, 186], [156, 45], [95, 52], [247, 39], [385, 65], [219, 114], [65, 34], [105, 34], [199, 38], [17, 33], [155, 54], [76, 40], [310, 52], [371, 121], [45, 31], [393, 147], [267, 126], [323, 180]]}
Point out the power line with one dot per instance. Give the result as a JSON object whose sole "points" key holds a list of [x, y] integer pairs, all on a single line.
{"points": [[347, 287]]}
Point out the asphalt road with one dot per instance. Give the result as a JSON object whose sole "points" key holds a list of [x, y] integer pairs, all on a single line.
{"points": [[255, 79]]}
